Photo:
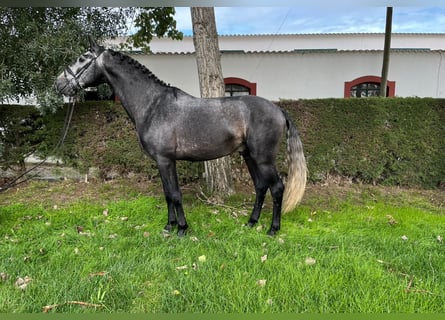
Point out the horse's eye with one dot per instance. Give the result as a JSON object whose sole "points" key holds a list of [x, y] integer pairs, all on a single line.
{"points": [[82, 59]]}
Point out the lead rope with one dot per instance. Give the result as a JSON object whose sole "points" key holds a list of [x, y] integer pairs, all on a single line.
{"points": [[66, 125]]}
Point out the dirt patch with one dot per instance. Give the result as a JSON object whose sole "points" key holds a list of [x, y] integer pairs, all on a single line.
{"points": [[65, 192]]}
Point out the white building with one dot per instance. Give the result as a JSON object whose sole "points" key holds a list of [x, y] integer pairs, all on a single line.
{"points": [[308, 66]]}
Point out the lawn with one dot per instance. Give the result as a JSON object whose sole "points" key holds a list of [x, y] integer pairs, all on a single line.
{"points": [[98, 247]]}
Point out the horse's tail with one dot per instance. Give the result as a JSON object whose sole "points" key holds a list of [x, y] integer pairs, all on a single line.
{"points": [[297, 175]]}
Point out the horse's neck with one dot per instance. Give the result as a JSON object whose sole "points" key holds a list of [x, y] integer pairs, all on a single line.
{"points": [[135, 90]]}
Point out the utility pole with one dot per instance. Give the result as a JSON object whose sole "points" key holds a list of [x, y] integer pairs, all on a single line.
{"points": [[386, 52]]}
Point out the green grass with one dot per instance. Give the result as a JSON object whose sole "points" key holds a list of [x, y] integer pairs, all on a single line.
{"points": [[120, 262]]}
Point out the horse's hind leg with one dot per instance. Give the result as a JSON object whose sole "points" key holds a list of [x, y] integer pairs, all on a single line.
{"points": [[277, 190], [173, 196], [269, 175], [265, 176], [260, 189]]}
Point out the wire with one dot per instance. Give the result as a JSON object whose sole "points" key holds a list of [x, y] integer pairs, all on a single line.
{"points": [[272, 41]]}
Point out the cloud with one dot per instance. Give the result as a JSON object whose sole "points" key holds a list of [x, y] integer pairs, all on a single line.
{"points": [[419, 20], [274, 20], [184, 20]]}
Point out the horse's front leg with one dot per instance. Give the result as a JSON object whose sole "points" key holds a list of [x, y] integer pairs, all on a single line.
{"points": [[173, 196]]}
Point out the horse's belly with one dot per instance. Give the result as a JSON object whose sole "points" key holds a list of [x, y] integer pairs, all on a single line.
{"points": [[207, 148]]}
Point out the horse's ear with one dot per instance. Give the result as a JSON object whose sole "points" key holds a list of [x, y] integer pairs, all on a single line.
{"points": [[94, 47]]}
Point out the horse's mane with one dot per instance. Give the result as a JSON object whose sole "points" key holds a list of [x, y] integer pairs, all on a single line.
{"points": [[138, 66]]}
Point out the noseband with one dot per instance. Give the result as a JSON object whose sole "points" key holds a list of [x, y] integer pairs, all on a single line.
{"points": [[79, 73]]}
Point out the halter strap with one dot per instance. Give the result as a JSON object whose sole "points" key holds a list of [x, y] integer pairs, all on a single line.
{"points": [[75, 76]]}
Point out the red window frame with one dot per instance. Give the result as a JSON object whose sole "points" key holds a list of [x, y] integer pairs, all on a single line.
{"points": [[390, 85], [250, 85]]}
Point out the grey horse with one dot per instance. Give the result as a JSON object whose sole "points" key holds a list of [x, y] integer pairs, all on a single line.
{"points": [[173, 125]]}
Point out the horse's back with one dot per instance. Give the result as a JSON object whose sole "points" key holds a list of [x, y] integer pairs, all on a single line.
{"points": [[263, 110]]}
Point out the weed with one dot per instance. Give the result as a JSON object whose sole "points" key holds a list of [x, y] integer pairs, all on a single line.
{"points": [[356, 249]]}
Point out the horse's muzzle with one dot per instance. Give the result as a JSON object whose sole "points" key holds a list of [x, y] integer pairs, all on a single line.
{"points": [[65, 86]]}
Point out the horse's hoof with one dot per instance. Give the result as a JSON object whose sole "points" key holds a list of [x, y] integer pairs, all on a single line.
{"points": [[182, 230], [272, 232], [168, 228], [251, 224]]}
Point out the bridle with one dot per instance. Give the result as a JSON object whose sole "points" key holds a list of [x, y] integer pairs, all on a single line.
{"points": [[76, 76]]}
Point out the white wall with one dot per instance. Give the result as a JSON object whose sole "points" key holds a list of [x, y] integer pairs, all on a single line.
{"points": [[280, 72], [178, 70], [309, 75], [420, 74]]}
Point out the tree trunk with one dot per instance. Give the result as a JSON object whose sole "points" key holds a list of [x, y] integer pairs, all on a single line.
{"points": [[211, 84], [386, 51]]}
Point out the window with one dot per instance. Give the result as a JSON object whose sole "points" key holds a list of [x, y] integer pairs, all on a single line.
{"points": [[368, 86], [366, 89], [239, 87], [236, 90]]}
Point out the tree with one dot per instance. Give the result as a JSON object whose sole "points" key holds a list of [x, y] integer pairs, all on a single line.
{"points": [[211, 84], [38, 42], [386, 52]]}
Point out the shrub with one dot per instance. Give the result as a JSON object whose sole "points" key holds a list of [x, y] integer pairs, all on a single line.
{"points": [[395, 141], [20, 134], [101, 135]]}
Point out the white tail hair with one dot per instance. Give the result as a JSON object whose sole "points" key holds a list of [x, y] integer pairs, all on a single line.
{"points": [[297, 172]]}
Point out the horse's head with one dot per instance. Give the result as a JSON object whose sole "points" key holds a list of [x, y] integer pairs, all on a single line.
{"points": [[83, 73]]}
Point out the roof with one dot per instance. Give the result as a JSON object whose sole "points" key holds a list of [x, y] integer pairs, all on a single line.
{"points": [[323, 34], [260, 43], [300, 51]]}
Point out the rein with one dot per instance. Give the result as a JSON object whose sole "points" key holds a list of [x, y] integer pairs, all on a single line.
{"points": [[66, 124]]}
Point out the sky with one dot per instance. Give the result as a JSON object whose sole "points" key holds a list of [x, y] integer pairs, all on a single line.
{"points": [[291, 16], [289, 20]]}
